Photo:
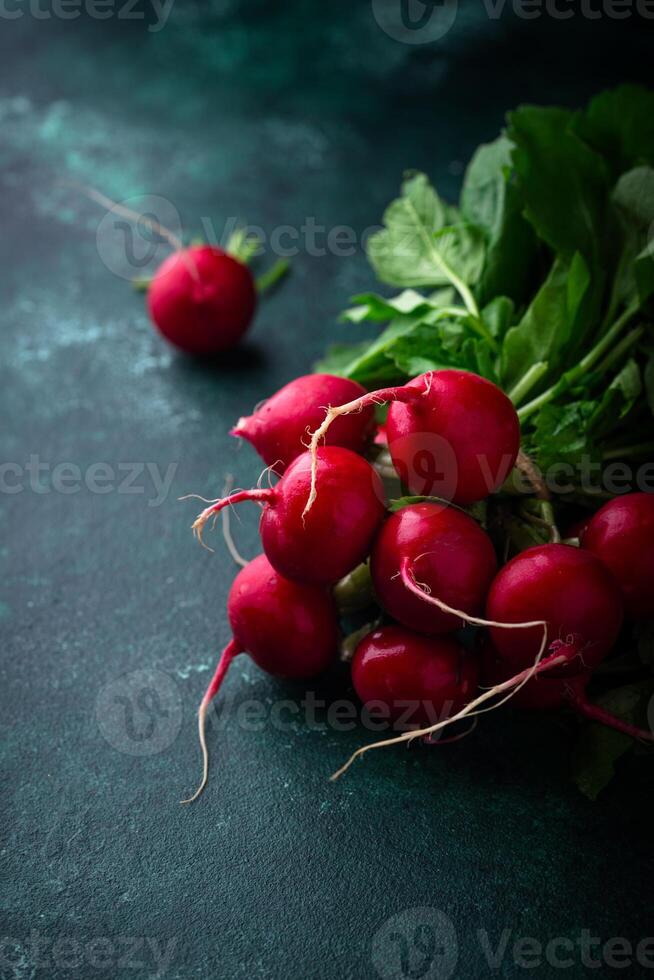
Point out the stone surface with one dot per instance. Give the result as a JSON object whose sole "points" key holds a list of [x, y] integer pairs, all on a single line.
{"points": [[112, 616]]}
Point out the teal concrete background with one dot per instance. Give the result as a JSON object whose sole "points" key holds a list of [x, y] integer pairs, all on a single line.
{"points": [[274, 113]]}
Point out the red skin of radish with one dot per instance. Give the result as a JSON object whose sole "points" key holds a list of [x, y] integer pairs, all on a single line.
{"points": [[568, 588], [459, 441], [434, 674], [621, 534], [279, 429], [448, 552], [202, 299], [336, 536], [545, 692], [289, 629]]}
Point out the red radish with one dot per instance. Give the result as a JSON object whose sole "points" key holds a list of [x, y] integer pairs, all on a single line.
{"points": [[547, 693], [450, 433], [202, 299], [447, 553], [336, 536], [279, 429], [560, 657], [290, 630], [621, 534], [568, 588], [418, 679]]}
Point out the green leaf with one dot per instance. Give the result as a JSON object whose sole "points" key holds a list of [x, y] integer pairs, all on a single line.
{"points": [[546, 330], [594, 760], [563, 182], [633, 199], [498, 316], [400, 502], [649, 381], [378, 309], [339, 357], [617, 401], [562, 434], [242, 245], [418, 247], [599, 748], [490, 199], [446, 344], [619, 124], [376, 358]]}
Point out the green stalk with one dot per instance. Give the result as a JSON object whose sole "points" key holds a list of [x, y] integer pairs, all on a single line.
{"points": [[576, 373], [273, 275], [628, 452], [620, 349], [527, 381]]}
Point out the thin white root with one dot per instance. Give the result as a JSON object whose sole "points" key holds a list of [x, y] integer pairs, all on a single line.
{"points": [[456, 738], [333, 412], [231, 650], [202, 715], [197, 527], [227, 530], [512, 685]]}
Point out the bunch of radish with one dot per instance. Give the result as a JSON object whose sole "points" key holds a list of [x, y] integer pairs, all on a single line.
{"points": [[547, 618]]}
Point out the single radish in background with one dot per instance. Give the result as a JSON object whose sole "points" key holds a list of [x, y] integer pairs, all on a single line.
{"points": [[279, 429], [570, 589], [323, 546], [418, 679], [290, 630], [451, 434], [621, 534], [550, 693], [202, 299], [446, 551]]}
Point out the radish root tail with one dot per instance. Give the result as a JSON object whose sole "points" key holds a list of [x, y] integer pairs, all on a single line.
{"points": [[231, 650], [261, 496]]}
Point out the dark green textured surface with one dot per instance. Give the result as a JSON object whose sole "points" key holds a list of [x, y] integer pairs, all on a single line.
{"points": [[273, 116]]}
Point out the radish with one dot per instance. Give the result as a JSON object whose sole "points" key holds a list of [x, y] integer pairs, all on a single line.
{"points": [[290, 630], [450, 434], [547, 693], [202, 299], [445, 551], [418, 679], [560, 657], [568, 588], [324, 546], [278, 429], [621, 534]]}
